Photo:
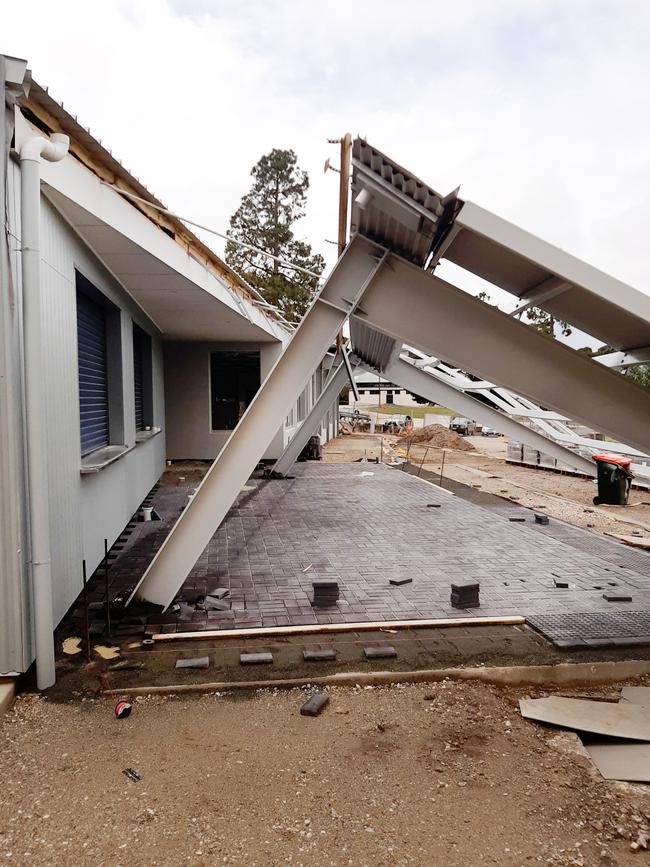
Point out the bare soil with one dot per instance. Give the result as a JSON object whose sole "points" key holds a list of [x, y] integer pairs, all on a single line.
{"points": [[438, 435], [446, 773]]}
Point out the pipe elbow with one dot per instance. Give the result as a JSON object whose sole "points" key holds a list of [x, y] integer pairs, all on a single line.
{"points": [[52, 149]]}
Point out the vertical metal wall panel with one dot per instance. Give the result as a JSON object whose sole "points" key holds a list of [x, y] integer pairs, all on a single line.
{"points": [[88, 508]]}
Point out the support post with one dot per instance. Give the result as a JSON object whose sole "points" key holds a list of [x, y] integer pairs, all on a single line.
{"points": [[309, 426]]}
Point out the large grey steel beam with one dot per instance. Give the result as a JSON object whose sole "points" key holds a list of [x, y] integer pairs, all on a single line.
{"points": [[436, 317], [355, 270], [326, 398], [426, 384]]}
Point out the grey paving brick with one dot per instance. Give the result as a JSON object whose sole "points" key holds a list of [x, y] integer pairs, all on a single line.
{"points": [[256, 658], [315, 704], [198, 662], [319, 655], [385, 651]]}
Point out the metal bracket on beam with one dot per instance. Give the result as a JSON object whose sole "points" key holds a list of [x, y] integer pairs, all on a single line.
{"points": [[350, 372]]}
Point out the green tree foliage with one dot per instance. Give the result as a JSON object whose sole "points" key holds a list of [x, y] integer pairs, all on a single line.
{"points": [[538, 318], [545, 322], [640, 373], [264, 219]]}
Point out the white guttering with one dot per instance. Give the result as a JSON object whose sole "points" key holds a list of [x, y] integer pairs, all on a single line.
{"points": [[31, 153]]}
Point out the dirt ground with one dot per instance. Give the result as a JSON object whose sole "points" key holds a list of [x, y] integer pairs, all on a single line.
{"points": [[568, 498], [446, 773]]}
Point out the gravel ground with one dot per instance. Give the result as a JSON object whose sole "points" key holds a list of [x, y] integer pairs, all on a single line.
{"points": [[439, 774]]}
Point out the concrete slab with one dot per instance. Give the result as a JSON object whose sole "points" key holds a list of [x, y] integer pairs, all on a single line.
{"points": [[636, 695], [620, 720], [627, 762]]}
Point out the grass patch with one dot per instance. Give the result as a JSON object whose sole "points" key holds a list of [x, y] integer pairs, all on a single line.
{"points": [[414, 411]]}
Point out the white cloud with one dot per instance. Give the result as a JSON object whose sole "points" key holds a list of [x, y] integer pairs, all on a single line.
{"points": [[538, 108]]}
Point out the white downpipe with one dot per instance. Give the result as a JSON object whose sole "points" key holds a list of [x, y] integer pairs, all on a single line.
{"points": [[31, 152]]}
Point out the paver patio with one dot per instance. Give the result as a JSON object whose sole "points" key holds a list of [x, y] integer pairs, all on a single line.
{"points": [[364, 524]]}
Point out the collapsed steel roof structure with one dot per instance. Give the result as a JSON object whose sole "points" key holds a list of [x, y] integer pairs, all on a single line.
{"points": [[384, 284]]}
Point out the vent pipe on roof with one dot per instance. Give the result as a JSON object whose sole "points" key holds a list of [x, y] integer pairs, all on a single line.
{"points": [[31, 152]]}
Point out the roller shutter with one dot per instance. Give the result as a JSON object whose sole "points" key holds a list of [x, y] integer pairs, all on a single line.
{"points": [[93, 377]]}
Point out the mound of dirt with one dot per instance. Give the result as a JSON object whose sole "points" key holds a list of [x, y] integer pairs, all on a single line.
{"points": [[437, 435]]}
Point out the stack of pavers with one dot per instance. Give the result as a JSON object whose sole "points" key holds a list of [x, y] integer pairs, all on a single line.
{"points": [[326, 592], [464, 594]]}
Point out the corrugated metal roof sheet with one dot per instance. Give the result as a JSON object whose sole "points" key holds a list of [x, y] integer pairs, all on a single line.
{"points": [[372, 347], [402, 213]]}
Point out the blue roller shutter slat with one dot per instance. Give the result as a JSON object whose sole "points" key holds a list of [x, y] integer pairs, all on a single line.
{"points": [[93, 376], [138, 377]]}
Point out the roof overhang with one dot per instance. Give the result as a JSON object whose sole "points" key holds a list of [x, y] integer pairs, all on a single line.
{"points": [[182, 295]]}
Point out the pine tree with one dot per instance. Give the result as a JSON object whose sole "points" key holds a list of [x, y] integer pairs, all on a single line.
{"points": [[264, 219]]}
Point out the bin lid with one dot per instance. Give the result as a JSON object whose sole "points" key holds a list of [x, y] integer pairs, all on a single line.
{"points": [[613, 459]]}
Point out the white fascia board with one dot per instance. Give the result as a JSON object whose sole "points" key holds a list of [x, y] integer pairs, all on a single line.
{"points": [[554, 260], [81, 186]]}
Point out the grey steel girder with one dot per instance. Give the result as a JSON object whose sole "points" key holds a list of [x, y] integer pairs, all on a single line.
{"points": [[426, 384], [310, 425], [420, 309], [359, 265]]}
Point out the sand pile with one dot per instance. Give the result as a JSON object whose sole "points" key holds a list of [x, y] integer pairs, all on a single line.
{"points": [[437, 435]]}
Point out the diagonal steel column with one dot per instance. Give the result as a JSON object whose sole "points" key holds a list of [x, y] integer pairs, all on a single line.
{"points": [[426, 384], [434, 316], [309, 426], [355, 270]]}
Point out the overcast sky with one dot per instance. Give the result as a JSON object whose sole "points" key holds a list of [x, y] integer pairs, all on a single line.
{"points": [[539, 109]]}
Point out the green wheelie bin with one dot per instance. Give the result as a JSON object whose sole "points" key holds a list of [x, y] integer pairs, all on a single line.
{"points": [[614, 479]]}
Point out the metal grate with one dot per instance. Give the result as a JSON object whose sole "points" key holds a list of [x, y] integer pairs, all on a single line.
{"points": [[593, 628]]}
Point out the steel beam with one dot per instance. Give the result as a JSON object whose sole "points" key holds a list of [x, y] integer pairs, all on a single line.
{"points": [[422, 310], [354, 271], [427, 384], [550, 288], [625, 359], [328, 395]]}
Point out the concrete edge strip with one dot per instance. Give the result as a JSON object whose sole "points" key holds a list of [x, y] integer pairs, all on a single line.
{"points": [[562, 674], [318, 628], [7, 694], [438, 488]]}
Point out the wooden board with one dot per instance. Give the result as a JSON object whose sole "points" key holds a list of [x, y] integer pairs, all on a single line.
{"points": [[629, 762], [623, 720], [318, 628], [634, 541]]}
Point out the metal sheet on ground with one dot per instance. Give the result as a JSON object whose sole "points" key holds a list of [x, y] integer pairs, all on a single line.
{"points": [[629, 762], [636, 695], [621, 720]]}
